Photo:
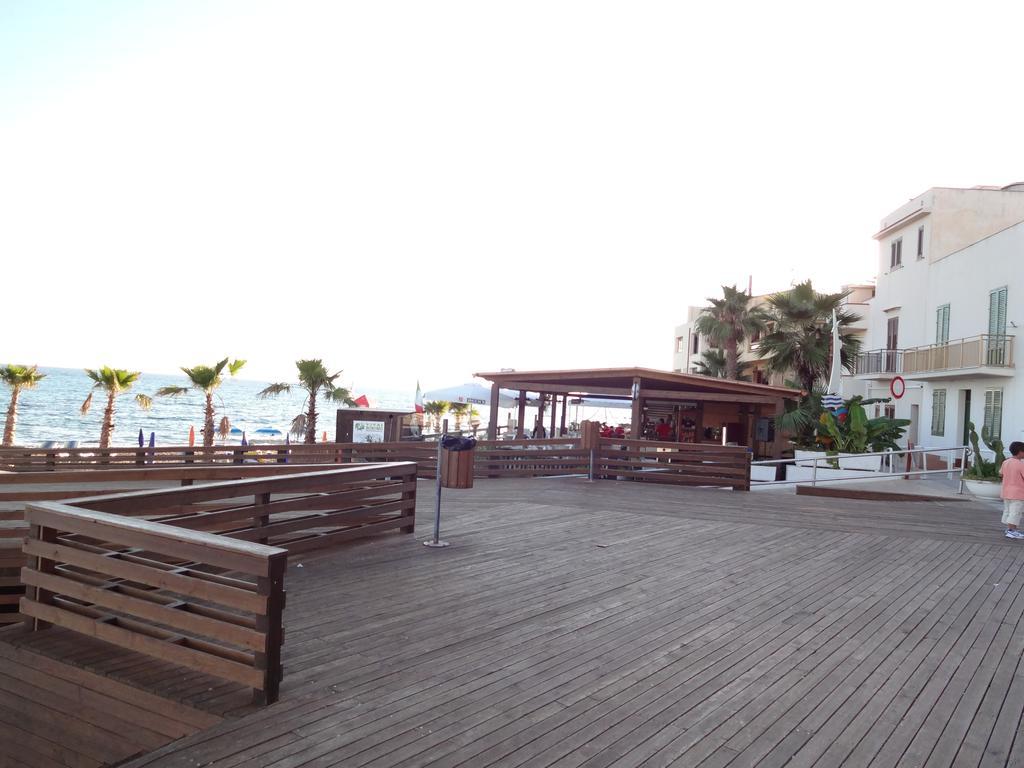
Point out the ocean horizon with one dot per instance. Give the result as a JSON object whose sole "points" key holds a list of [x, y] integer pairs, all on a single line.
{"points": [[50, 412]]}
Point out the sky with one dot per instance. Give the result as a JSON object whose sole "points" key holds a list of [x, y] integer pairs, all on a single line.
{"points": [[419, 191]]}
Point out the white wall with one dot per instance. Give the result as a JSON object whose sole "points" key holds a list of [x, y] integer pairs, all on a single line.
{"points": [[963, 280]]}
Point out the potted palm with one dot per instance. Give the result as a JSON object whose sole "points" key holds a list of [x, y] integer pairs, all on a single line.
{"points": [[846, 435], [436, 409], [458, 412], [982, 477]]}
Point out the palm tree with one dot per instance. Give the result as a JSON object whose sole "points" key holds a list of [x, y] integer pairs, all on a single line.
{"points": [[436, 409], [313, 377], [712, 363], [728, 322], [206, 379], [18, 378], [459, 411], [114, 381], [799, 343]]}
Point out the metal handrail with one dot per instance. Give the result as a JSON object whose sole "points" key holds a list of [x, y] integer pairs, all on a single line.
{"points": [[962, 449]]}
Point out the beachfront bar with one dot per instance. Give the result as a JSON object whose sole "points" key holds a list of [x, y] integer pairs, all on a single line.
{"points": [[699, 409]]}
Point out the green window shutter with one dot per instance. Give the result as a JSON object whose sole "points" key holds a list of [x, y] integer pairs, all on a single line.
{"points": [[993, 413], [938, 412], [942, 324], [997, 312]]}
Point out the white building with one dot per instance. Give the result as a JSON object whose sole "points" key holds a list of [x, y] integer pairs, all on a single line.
{"points": [[944, 315]]}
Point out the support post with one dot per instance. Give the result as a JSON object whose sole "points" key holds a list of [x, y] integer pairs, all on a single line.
{"points": [[492, 420], [270, 626], [522, 415], [565, 409], [436, 540], [638, 410], [541, 399], [780, 408], [554, 412]]}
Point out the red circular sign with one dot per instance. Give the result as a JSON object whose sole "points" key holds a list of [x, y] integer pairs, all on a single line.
{"points": [[898, 387]]}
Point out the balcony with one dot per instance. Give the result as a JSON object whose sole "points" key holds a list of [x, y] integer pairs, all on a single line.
{"points": [[983, 355]]}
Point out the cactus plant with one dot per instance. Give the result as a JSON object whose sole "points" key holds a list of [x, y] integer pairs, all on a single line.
{"points": [[981, 468]]}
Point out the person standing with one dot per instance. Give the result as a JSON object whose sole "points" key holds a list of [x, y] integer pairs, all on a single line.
{"points": [[1012, 472]]}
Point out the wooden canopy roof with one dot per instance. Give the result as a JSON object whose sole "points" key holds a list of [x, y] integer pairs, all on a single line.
{"points": [[652, 384]]}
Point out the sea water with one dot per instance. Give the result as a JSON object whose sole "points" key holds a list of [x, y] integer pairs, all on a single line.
{"points": [[50, 412]]}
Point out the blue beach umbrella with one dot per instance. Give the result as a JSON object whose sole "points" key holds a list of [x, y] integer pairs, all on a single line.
{"points": [[245, 443], [142, 440], [152, 439]]}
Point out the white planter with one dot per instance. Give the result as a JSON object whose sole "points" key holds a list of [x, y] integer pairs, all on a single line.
{"points": [[806, 473], [983, 489], [763, 474], [846, 460]]}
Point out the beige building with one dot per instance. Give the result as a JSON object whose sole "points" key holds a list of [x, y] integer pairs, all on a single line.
{"points": [[690, 346]]}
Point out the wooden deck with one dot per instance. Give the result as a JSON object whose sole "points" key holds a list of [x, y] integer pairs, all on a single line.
{"points": [[623, 624]]}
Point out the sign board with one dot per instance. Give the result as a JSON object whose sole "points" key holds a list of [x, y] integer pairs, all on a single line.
{"points": [[367, 431], [898, 387]]}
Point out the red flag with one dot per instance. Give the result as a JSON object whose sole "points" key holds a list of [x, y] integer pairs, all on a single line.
{"points": [[362, 401]]}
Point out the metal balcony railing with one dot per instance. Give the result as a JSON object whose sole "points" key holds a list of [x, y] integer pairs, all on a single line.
{"points": [[985, 350], [879, 361]]}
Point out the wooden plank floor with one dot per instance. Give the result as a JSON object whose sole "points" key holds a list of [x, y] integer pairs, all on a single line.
{"points": [[53, 714], [620, 624]]}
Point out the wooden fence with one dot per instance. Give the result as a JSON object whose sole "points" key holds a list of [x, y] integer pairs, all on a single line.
{"points": [[159, 590], [288, 509], [674, 463], [644, 460]]}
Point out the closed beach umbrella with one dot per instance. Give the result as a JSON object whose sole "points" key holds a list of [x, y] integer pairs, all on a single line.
{"points": [[473, 393], [152, 439], [325, 436], [142, 440], [833, 399], [191, 436], [245, 442], [287, 438]]}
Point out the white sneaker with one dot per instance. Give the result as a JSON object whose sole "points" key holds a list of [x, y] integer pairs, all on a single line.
{"points": [[1013, 534]]}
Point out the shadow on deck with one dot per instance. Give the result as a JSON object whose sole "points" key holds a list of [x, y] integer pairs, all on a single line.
{"points": [[600, 624]]}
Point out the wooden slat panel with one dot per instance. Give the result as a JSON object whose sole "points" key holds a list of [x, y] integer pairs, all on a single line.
{"points": [[192, 545], [203, 662], [177, 618]]}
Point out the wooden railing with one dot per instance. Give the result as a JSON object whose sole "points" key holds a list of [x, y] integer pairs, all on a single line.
{"points": [[159, 590], [287, 509], [298, 512], [675, 463]]}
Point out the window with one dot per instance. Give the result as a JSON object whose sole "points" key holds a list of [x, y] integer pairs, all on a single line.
{"points": [[680, 344], [942, 324], [896, 253], [892, 331], [996, 344], [920, 242], [938, 412], [993, 413], [997, 312], [890, 411], [696, 344]]}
